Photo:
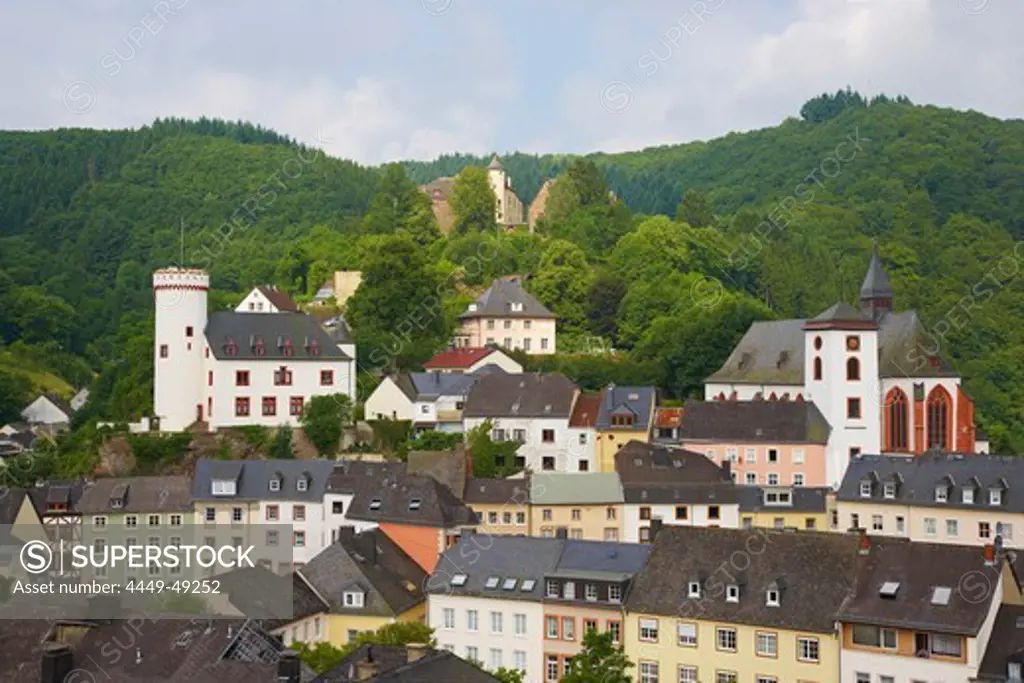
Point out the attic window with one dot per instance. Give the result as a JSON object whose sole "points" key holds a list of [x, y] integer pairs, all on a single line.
{"points": [[995, 497], [732, 593], [472, 308], [302, 484], [693, 590], [414, 504], [967, 495], [354, 599], [527, 585], [314, 347], [890, 490], [941, 494], [375, 504], [459, 580], [889, 590], [492, 582], [941, 594], [230, 347], [777, 498], [622, 420], [258, 347], [771, 598], [634, 397], [116, 503], [517, 307], [275, 484], [865, 489], [222, 487], [509, 584], [286, 348]]}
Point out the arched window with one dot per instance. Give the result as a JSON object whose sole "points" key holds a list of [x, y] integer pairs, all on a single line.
{"points": [[817, 368], [773, 397], [817, 343], [852, 368], [721, 396], [896, 426], [940, 411]]}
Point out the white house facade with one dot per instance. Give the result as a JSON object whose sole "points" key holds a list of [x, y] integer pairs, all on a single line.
{"points": [[234, 368]]}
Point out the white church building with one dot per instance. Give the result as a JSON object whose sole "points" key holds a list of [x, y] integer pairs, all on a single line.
{"points": [[875, 374], [256, 365]]}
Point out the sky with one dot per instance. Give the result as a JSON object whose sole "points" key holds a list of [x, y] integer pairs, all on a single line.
{"points": [[412, 79]]}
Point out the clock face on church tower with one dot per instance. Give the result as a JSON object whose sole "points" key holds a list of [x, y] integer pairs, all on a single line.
{"points": [[853, 343]]}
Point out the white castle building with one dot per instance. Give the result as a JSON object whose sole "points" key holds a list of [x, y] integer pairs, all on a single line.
{"points": [[256, 365], [877, 375]]}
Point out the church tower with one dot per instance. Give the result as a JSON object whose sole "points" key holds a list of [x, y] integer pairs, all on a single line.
{"points": [[876, 292], [499, 181], [179, 344]]}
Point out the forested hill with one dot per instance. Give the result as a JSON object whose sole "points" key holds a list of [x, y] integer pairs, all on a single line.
{"points": [[85, 216], [965, 161]]}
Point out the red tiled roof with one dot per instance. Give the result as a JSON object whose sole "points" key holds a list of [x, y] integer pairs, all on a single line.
{"points": [[668, 417], [462, 357], [584, 414]]}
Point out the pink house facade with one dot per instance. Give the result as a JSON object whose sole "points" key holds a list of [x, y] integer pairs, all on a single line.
{"points": [[506, 315]]}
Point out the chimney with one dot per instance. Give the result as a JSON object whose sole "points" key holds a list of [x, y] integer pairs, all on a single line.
{"points": [[864, 546], [990, 554], [367, 669], [726, 470], [415, 651], [366, 545], [656, 525], [57, 663], [610, 394], [289, 667]]}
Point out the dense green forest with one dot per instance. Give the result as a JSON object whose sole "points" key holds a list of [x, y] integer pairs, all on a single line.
{"points": [[699, 240]]}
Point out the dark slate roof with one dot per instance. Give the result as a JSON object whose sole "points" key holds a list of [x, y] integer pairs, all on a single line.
{"points": [[10, 504], [601, 559], [430, 385], [804, 499], [518, 557], [636, 401], [139, 494], [448, 467], [1005, 644], [497, 302], [253, 479], [815, 572], [278, 297], [438, 506], [917, 477], [839, 312], [876, 282], [394, 667], [179, 651], [356, 476], [651, 473], [772, 352], [372, 562], [528, 395], [497, 491], [272, 328], [919, 568], [754, 421], [68, 492]]}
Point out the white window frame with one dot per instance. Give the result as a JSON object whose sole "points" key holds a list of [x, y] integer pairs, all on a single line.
{"points": [[722, 633], [686, 634], [647, 630], [354, 599]]}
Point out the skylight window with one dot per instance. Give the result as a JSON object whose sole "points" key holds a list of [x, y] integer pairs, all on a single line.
{"points": [[375, 504], [492, 582], [459, 580], [509, 584], [414, 504], [527, 585], [889, 589], [941, 595]]}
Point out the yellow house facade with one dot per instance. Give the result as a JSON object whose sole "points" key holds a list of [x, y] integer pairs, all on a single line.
{"points": [[809, 509], [736, 605], [502, 506], [625, 414], [579, 505]]}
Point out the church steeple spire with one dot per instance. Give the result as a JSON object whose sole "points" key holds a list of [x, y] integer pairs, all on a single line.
{"points": [[876, 292]]}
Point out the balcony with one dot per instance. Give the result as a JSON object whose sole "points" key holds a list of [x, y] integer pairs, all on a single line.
{"points": [[449, 416]]}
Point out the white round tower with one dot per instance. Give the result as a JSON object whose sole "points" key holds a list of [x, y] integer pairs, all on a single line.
{"points": [[179, 343]]}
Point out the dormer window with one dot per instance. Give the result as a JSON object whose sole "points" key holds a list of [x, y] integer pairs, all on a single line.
{"points": [[287, 349], [967, 495], [230, 347], [472, 308], [314, 348], [890, 490], [223, 487], [865, 489], [622, 420], [995, 497], [1013, 671], [693, 590], [517, 307], [302, 484], [732, 593], [275, 484], [258, 347], [941, 494], [771, 598], [354, 599]]}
